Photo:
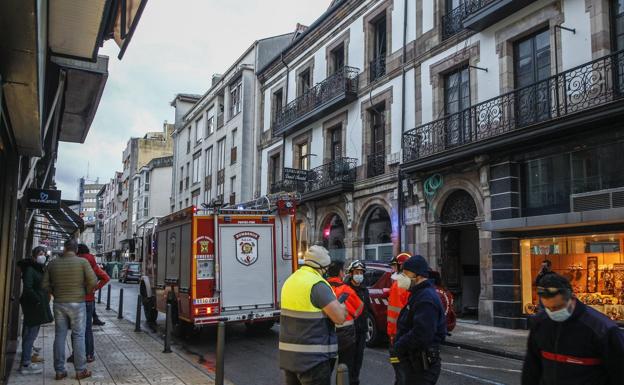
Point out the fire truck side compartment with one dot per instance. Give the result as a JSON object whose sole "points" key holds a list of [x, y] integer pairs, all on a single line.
{"points": [[161, 251], [172, 272]]}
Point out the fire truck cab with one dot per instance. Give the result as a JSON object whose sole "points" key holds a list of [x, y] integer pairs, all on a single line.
{"points": [[219, 264]]}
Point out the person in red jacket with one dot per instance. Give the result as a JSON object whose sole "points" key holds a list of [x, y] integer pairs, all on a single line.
{"points": [[103, 278], [397, 299], [346, 331], [447, 300]]}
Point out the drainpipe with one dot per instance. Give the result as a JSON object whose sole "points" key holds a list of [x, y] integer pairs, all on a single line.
{"points": [[286, 101], [401, 232]]}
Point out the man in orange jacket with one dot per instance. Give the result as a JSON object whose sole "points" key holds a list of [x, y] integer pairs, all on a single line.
{"points": [[355, 306], [397, 299]]}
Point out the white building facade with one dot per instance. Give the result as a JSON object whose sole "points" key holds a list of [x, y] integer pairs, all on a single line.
{"points": [[151, 186]]}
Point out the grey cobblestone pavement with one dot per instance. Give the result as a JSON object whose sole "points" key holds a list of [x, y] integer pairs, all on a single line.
{"points": [[122, 357]]}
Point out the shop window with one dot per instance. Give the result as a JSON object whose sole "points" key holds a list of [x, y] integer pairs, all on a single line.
{"points": [[302, 238], [378, 236], [333, 237], [594, 264]]}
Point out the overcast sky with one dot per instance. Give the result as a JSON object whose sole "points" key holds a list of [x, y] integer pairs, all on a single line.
{"points": [[176, 48]]}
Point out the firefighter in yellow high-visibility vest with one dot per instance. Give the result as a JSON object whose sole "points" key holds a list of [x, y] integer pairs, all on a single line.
{"points": [[307, 342]]}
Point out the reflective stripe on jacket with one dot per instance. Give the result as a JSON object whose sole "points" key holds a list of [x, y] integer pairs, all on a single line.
{"points": [[307, 337], [397, 299]]}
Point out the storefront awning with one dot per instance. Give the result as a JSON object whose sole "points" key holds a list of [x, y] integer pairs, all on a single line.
{"points": [[63, 223]]}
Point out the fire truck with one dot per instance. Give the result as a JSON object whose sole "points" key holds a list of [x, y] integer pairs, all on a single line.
{"points": [[219, 263]]}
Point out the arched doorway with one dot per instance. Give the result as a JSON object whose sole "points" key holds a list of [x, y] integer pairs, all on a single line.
{"points": [[333, 237], [460, 252], [378, 235]]}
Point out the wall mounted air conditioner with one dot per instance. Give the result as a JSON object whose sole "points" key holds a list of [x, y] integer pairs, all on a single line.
{"points": [[597, 200]]}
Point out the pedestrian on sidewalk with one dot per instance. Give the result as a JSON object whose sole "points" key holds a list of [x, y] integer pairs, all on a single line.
{"points": [[571, 343], [421, 327], [35, 306], [347, 340], [356, 272], [69, 279], [103, 278], [307, 339], [447, 299], [397, 299]]}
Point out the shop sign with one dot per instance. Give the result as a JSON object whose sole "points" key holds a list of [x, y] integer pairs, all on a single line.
{"points": [[43, 199], [412, 215], [295, 174]]}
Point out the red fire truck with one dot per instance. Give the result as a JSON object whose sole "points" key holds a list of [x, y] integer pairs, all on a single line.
{"points": [[219, 264]]}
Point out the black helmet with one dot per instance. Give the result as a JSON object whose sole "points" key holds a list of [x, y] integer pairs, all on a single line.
{"points": [[356, 265]]}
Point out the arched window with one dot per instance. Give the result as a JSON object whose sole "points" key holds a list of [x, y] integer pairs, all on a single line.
{"points": [[458, 208], [378, 236]]}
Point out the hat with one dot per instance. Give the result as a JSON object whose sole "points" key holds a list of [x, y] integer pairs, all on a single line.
{"points": [[356, 265], [317, 257], [400, 259], [417, 265]]}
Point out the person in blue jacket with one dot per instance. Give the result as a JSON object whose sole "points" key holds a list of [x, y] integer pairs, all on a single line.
{"points": [[421, 326]]}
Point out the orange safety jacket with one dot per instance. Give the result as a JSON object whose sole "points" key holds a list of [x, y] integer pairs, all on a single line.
{"points": [[354, 304], [397, 299]]}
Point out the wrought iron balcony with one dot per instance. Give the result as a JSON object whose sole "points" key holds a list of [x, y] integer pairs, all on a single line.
{"points": [[332, 93], [554, 103], [377, 68], [477, 15], [328, 179], [375, 164]]}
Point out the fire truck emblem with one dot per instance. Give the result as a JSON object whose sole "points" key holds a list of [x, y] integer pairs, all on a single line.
{"points": [[246, 247], [203, 245]]}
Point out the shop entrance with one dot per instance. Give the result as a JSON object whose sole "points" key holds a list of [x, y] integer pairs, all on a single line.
{"points": [[460, 253], [333, 237]]}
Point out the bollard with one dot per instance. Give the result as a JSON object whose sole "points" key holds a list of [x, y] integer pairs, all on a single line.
{"points": [[168, 325], [137, 320], [108, 298], [100, 295], [120, 309], [342, 375], [219, 375]]}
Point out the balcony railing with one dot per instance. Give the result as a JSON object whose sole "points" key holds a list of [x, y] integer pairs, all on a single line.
{"points": [[328, 95], [377, 68], [478, 14], [375, 164], [338, 173], [594, 84]]}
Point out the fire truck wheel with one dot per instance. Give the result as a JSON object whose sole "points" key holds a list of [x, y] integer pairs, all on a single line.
{"points": [[372, 335], [260, 326], [149, 309]]}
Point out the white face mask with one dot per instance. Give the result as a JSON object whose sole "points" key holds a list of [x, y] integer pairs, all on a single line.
{"points": [[560, 315], [403, 281], [358, 278], [41, 259]]}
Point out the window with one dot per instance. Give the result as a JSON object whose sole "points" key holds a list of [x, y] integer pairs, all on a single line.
{"points": [[304, 81], [337, 59], [336, 142], [233, 190], [277, 105], [181, 177], [456, 100], [186, 202], [233, 152], [186, 178], [196, 168], [377, 159], [302, 159], [378, 236], [221, 154], [275, 168], [235, 98], [209, 123], [145, 206], [195, 198], [532, 66], [147, 181], [380, 48], [618, 24], [188, 140], [198, 130], [208, 171]]}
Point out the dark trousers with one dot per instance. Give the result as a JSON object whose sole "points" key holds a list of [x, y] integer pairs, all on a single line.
{"points": [[347, 357], [318, 375], [414, 374], [394, 361], [360, 345]]}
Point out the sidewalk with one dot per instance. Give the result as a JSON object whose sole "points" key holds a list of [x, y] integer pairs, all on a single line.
{"points": [[122, 357], [488, 339]]}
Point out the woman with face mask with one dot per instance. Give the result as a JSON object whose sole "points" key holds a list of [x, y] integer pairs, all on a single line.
{"points": [[355, 279], [35, 306]]}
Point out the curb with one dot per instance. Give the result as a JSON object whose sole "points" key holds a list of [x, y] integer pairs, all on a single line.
{"points": [[494, 352]]}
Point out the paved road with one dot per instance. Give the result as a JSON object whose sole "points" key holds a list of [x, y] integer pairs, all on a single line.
{"points": [[252, 357]]}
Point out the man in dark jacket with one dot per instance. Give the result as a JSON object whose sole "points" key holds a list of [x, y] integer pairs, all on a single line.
{"points": [[35, 306], [355, 279], [571, 343], [421, 327]]}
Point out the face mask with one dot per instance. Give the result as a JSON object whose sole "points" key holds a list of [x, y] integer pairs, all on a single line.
{"points": [[358, 278], [41, 259], [403, 281], [559, 315]]}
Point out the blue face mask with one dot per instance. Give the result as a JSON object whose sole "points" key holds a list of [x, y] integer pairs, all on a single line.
{"points": [[358, 278], [560, 315]]}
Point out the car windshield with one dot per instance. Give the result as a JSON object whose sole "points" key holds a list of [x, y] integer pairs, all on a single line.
{"points": [[134, 267], [371, 276]]}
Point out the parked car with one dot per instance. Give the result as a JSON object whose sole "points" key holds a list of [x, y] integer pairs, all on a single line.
{"points": [[377, 279], [130, 272]]}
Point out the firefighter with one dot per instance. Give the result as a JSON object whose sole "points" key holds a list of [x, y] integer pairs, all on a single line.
{"points": [[346, 332], [397, 299], [356, 272], [307, 339]]}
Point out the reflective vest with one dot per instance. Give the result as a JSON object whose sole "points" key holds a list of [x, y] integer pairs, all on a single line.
{"points": [[354, 304], [397, 300], [307, 337]]}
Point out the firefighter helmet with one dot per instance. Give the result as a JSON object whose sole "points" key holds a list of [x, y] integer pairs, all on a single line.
{"points": [[356, 265], [400, 259]]}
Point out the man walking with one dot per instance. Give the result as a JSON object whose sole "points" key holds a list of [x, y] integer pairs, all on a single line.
{"points": [[69, 278], [355, 273], [397, 299], [347, 339], [571, 343], [307, 339], [421, 327]]}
